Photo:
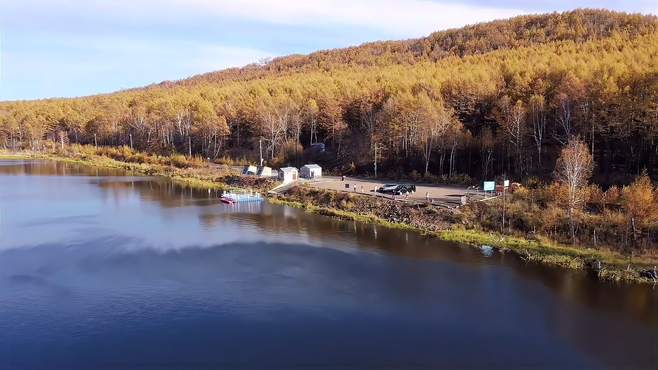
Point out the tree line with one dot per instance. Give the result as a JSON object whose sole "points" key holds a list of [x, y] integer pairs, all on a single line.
{"points": [[571, 210]]}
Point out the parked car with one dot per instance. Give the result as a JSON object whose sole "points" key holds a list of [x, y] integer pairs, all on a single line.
{"points": [[388, 189], [411, 188], [397, 189]]}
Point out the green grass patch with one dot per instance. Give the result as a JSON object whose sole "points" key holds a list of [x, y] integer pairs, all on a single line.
{"points": [[615, 265]]}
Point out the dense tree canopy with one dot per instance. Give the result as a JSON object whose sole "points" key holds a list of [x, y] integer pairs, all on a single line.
{"points": [[494, 98]]}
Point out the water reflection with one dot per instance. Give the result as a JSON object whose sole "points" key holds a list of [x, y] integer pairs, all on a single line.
{"points": [[95, 238]]}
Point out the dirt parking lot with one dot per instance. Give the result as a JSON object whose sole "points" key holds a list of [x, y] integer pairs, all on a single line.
{"points": [[437, 193]]}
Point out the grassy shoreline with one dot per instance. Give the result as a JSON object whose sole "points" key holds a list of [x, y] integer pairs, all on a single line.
{"points": [[138, 168], [615, 265], [539, 251]]}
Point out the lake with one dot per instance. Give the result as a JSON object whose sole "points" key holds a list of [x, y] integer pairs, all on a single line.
{"points": [[103, 270]]}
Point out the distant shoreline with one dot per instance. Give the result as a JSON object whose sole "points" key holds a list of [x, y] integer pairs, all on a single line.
{"points": [[316, 202]]}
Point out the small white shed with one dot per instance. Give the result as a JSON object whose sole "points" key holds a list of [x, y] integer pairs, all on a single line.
{"points": [[265, 171], [288, 174], [311, 171], [249, 170]]}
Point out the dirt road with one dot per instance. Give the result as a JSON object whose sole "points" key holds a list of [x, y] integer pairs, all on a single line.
{"points": [[436, 193]]}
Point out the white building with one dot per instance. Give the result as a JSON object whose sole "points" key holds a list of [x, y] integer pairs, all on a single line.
{"points": [[249, 170], [265, 171], [311, 171], [288, 174]]}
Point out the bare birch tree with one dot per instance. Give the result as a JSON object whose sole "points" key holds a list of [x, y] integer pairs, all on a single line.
{"points": [[564, 119], [436, 121], [573, 169], [538, 118], [513, 122]]}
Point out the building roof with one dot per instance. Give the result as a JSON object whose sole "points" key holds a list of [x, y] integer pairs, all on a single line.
{"points": [[314, 166], [288, 169]]}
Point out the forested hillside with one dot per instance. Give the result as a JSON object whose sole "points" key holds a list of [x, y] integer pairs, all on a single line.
{"points": [[495, 98], [579, 26]]}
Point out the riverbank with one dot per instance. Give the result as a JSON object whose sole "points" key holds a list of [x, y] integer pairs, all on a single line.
{"points": [[429, 220], [445, 224], [194, 173]]}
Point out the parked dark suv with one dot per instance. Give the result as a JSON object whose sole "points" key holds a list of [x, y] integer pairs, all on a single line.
{"points": [[397, 189]]}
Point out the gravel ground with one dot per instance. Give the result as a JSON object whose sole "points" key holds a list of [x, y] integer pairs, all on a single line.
{"points": [[437, 193]]}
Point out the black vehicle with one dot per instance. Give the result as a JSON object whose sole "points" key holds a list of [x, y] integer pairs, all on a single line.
{"points": [[396, 189], [410, 188], [388, 189]]}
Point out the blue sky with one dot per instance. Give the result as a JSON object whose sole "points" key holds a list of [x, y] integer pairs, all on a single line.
{"points": [[54, 48]]}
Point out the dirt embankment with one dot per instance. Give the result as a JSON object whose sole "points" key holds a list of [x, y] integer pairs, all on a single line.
{"points": [[423, 217]]}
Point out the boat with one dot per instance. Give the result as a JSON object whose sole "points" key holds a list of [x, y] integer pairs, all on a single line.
{"points": [[227, 200], [241, 197]]}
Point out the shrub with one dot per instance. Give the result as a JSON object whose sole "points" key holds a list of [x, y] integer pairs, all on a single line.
{"points": [[638, 200], [178, 161]]}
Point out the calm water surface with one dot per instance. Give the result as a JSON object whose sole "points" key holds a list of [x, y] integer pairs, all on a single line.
{"points": [[104, 271]]}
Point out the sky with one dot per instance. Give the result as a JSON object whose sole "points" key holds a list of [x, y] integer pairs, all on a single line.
{"points": [[68, 48]]}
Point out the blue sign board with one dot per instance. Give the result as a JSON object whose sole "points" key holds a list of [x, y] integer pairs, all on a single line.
{"points": [[489, 186]]}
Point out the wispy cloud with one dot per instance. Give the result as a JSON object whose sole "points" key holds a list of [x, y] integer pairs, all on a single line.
{"points": [[409, 18], [74, 47], [405, 18], [78, 47], [89, 65]]}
